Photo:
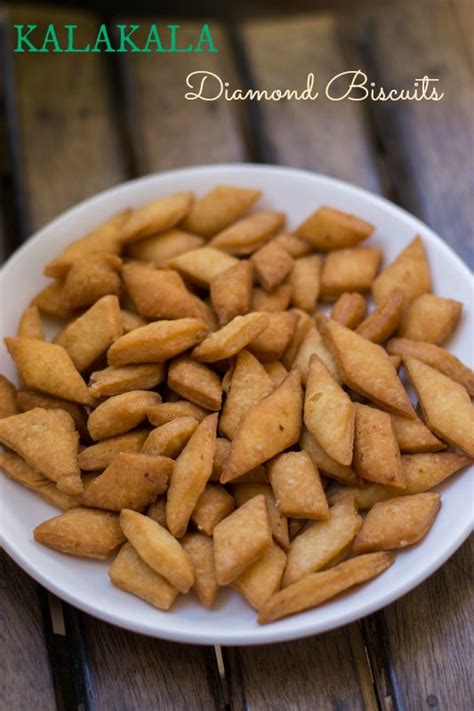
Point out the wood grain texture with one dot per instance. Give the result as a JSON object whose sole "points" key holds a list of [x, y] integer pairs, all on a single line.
{"points": [[135, 672], [464, 14], [68, 147], [66, 144], [426, 143], [25, 675], [313, 673], [429, 638], [167, 131], [319, 135]]}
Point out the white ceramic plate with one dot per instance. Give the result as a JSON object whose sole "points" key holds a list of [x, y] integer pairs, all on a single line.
{"points": [[84, 583]]}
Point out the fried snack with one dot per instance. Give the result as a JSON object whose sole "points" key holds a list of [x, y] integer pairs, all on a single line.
{"points": [[240, 539], [276, 300], [157, 341], [104, 238], [422, 472], [156, 216], [295, 246], [130, 321], [159, 293], [157, 511], [430, 318], [314, 589], [243, 492], [366, 368], [273, 341], [270, 426], [396, 360], [214, 504], [329, 413], [376, 452], [313, 344], [200, 550], [349, 270], [322, 543], [272, 264], [191, 473], [8, 398], [131, 481], [262, 579], [436, 357], [50, 301], [120, 413], [397, 523], [168, 411], [48, 368], [121, 379], [248, 234], [323, 462], [220, 457], [30, 325], [305, 281], [414, 436], [98, 456], [349, 310], [231, 291], [219, 208], [160, 248], [384, 320], [90, 278], [231, 338], [276, 370], [29, 399], [21, 472], [48, 441], [201, 266], [410, 272], [84, 532], [445, 404], [303, 325], [130, 573], [327, 229], [158, 548], [90, 335], [195, 382], [297, 486], [169, 439]]}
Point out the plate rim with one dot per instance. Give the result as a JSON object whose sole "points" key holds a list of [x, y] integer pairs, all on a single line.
{"points": [[266, 634]]}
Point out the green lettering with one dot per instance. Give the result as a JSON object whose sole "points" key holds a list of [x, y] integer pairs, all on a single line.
{"points": [[153, 38], [70, 40], [125, 38], [50, 38], [102, 38], [22, 38], [206, 38], [173, 48]]}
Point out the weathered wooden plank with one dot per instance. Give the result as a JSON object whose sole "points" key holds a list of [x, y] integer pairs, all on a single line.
{"points": [[135, 672], [25, 674], [427, 144], [168, 131], [314, 673], [464, 14], [429, 639], [330, 670], [418, 645], [319, 135], [67, 147]]}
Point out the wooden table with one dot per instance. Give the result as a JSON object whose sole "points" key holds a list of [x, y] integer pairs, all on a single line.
{"points": [[76, 124]]}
